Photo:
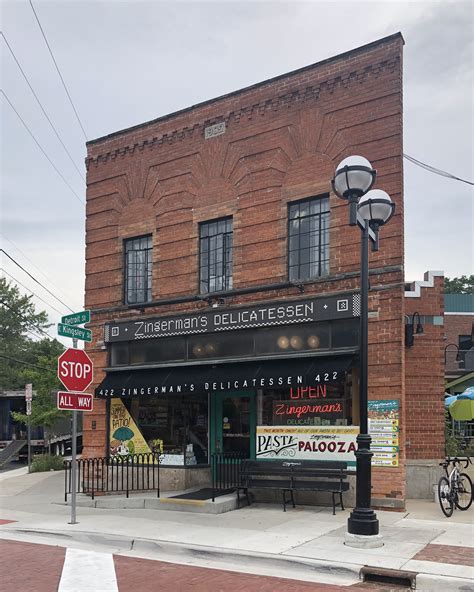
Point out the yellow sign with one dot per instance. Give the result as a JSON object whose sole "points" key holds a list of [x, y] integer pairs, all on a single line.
{"points": [[125, 437]]}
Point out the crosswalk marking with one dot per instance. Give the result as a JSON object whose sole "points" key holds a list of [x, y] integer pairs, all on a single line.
{"points": [[88, 570]]}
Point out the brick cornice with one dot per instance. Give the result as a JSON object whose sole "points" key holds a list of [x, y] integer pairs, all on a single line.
{"points": [[295, 96]]}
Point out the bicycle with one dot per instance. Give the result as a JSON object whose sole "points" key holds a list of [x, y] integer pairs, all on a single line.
{"points": [[455, 489]]}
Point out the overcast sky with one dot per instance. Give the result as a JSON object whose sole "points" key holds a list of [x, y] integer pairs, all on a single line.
{"points": [[128, 62]]}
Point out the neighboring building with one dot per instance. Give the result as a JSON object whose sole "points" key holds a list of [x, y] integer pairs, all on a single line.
{"points": [[223, 277], [459, 328], [424, 382]]}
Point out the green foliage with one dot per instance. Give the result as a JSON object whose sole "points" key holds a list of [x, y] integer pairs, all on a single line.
{"points": [[459, 285], [454, 444], [46, 462], [36, 360]]}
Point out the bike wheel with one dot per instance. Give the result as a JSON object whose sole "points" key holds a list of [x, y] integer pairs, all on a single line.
{"points": [[445, 497], [464, 492]]}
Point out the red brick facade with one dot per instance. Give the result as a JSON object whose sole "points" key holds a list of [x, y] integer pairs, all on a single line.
{"points": [[282, 141], [424, 372]]}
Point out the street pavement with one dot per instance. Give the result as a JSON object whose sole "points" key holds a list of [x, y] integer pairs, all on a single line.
{"points": [[255, 548]]}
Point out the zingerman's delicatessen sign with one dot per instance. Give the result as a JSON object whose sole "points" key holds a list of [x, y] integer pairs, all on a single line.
{"points": [[192, 375]]}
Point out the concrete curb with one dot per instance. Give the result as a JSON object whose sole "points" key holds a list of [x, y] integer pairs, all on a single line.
{"points": [[286, 566], [277, 565]]}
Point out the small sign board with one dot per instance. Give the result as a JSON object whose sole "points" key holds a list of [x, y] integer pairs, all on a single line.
{"points": [[67, 401], [28, 392], [77, 318], [74, 332], [28, 406]]}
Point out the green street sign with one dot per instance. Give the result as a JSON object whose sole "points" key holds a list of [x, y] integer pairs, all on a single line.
{"points": [[77, 318], [74, 332]]}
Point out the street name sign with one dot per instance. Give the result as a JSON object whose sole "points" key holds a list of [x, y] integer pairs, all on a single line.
{"points": [[77, 318], [75, 401], [74, 332], [75, 370]]}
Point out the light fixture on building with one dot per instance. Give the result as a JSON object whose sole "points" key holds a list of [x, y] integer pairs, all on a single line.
{"points": [[313, 341], [446, 349], [283, 342], [296, 342], [353, 178], [210, 349], [410, 329], [198, 350]]}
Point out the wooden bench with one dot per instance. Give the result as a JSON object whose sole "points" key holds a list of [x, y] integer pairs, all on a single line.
{"points": [[291, 476]]}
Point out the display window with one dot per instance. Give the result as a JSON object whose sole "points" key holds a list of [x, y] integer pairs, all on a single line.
{"points": [[325, 404], [175, 426]]}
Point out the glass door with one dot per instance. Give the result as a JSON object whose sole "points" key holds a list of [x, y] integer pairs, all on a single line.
{"points": [[233, 421]]}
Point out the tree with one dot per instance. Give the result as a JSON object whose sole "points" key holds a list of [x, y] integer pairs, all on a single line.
{"points": [[25, 360], [18, 318], [459, 285]]}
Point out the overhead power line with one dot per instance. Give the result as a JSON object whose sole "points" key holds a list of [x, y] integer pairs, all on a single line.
{"points": [[40, 147], [35, 280], [57, 69], [26, 363], [41, 107], [33, 264], [31, 291], [28, 323], [436, 171]]}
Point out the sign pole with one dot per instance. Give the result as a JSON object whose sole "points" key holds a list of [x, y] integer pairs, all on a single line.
{"points": [[73, 459], [28, 399], [29, 446]]}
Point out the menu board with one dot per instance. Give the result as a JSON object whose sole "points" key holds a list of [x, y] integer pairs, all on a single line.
{"points": [[384, 430]]}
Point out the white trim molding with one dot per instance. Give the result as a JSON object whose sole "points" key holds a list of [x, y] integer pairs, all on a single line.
{"points": [[428, 282]]}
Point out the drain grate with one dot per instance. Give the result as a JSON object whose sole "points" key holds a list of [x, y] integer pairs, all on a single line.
{"points": [[404, 579]]}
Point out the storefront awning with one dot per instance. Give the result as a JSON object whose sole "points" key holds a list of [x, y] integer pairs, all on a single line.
{"points": [[237, 376]]}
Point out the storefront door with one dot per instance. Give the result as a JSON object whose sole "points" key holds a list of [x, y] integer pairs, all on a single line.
{"points": [[233, 421]]}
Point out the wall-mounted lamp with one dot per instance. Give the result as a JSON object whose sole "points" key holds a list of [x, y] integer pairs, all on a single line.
{"points": [[214, 301], [458, 355], [409, 329]]}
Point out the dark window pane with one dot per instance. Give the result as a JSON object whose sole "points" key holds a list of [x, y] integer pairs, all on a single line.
{"points": [[345, 333], [308, 241], [138, 270], [216, 256]]}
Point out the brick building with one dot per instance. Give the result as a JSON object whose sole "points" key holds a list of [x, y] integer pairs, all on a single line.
{"points": [[459, 348], [223, 277]]}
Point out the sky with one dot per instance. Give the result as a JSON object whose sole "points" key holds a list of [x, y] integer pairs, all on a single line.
{"points": [[125, 63]]}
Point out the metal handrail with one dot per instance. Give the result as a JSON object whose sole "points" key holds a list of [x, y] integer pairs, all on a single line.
{"points": [[225, 470], [134, 472]]}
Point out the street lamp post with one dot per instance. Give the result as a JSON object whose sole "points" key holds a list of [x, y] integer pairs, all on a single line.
{"points": [[373, 209]]}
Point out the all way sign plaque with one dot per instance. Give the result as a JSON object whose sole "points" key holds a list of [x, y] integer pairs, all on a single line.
{"points": [[75, 401]]}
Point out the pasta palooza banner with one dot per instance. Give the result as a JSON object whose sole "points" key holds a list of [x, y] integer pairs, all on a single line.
{"points": [[307, 443]]}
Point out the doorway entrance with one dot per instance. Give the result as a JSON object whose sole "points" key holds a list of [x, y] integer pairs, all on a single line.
{"points": [[233, 423]]}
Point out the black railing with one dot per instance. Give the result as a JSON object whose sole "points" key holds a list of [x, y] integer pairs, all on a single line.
{"points": [[225, 471], [135, 472]]}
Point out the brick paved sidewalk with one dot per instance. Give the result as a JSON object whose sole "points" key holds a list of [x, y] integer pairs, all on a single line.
{"points": [[27, 567], [451, 554]]}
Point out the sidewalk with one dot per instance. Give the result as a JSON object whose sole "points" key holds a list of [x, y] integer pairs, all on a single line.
{"points": [[306, 543]]}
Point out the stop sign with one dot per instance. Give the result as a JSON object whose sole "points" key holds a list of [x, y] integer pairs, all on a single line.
{"points": [[75, 369]]}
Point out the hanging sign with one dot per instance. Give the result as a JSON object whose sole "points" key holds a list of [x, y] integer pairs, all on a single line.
{"points": [[308, 443], [384, 431]]}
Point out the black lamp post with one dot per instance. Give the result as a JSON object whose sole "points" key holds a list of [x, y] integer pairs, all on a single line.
{"points": [[373, 210]]}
